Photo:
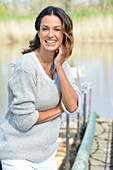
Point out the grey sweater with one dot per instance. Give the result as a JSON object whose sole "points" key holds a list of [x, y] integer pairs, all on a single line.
{"points": [[30, 90]]}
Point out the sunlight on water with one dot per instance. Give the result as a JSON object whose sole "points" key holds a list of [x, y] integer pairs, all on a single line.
{"points": [[98, 60]]}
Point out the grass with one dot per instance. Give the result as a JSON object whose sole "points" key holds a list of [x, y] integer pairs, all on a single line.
{"points": [[79, 15], [87, 27], [83, 15], [16, 31], [95, 28], [8, 17]]}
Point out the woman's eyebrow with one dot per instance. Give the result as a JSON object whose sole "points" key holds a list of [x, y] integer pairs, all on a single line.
{"points": [[54, 26], [44, 26], [58, 26]]}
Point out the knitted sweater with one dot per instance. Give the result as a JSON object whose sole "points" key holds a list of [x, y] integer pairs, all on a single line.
{"points": [[30, 90]]}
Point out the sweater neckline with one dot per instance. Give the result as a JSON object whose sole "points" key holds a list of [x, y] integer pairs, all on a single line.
{"points": [[50, 81]]}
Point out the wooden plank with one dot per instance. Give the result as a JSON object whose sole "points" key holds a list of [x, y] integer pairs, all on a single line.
{"points": [[61, 153], [101, 154], [101, 157]]}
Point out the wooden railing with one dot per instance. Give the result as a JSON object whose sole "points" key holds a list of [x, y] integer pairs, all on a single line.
{"points": [[82, 118], [81, 160]]}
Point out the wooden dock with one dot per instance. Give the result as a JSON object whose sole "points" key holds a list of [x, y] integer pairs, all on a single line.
{"points": [[101, 156], [61, 153]]}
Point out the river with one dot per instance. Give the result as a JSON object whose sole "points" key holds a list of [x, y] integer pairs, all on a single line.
{"points": [[97, 58]]}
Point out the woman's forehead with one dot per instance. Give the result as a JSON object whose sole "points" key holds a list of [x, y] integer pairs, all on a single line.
{"points": [[51, 20]]}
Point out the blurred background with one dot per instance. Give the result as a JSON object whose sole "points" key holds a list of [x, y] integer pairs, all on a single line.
{"points": [[93, 46]]}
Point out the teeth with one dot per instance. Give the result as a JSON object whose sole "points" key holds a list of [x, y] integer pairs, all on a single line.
{"points": [[50, 41]]}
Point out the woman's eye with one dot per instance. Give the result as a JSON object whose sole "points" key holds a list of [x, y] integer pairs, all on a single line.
{"points": [[44, 29], [57, 29]]}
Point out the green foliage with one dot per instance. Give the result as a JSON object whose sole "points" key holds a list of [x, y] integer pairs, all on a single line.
{"points": [[17, 11], [5, 17], [82, 15], [3, 8]]}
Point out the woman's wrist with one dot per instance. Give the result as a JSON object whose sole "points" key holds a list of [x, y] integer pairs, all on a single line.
{"points": [[58, 68]]}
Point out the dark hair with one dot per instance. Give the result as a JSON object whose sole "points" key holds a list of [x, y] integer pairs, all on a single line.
{"points": [[67, 29]]}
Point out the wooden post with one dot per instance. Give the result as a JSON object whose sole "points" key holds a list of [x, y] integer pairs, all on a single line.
{"points": [[78, 130], [67, 162], [84, 111]]}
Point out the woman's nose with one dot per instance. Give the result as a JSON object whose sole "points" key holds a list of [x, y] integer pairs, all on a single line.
{"points": [[51, 33]]}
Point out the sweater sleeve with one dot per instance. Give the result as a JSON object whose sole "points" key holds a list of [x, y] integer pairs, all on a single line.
{"points": [[67, 70], [22, 89]]}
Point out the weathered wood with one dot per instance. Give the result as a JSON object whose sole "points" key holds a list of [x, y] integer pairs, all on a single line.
{"points": [[61, 153], [81, 160], [101, 156]]}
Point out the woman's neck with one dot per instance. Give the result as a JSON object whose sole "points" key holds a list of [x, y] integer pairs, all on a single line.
{"points": [[46, 57], [46, 60]]}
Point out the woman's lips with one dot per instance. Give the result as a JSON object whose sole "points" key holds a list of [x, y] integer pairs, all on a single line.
{"points": [[50, 41]]}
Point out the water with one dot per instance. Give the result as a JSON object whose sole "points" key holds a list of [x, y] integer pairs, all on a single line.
{"points": [[98, 60]]}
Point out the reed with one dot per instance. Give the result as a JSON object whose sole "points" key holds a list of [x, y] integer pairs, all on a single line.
{"points": [[93, 28], [16, 31]]}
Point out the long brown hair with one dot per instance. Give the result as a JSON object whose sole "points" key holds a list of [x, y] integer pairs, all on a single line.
{"points": [[67, 24]]}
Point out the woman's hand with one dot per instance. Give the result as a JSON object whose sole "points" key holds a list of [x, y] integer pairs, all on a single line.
{"points": [[60, 57], [50, 114]]}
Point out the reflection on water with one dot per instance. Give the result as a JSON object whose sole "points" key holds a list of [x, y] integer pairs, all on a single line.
{"points": [[98, 60]]}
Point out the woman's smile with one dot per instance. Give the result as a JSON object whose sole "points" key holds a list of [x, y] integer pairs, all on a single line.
{"points": [[50, 42]]}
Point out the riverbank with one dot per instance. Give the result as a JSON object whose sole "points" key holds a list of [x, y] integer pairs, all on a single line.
{"points": [[93, 27]]}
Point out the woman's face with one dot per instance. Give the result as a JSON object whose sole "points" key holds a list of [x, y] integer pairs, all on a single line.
{"points": [[51, 34]]}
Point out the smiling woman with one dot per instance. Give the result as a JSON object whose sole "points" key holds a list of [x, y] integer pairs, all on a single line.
{"points": [[40, 90], [66, 26], [50, 33]]}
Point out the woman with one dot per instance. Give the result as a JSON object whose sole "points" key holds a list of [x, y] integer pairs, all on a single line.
{"points": [[40, 90]]}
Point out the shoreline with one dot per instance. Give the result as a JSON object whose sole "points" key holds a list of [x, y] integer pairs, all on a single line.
{"points": [[97, 28]]}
